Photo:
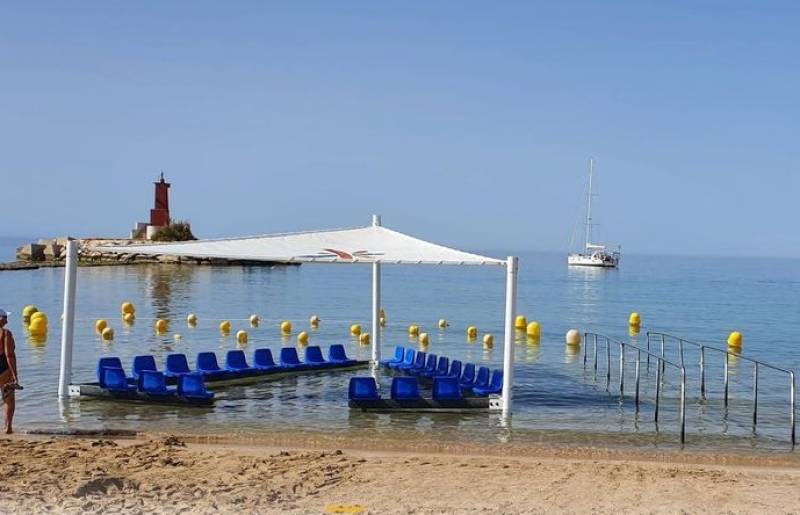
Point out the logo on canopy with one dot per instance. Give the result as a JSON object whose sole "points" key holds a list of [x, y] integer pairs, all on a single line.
{"points": [[358, 255]]}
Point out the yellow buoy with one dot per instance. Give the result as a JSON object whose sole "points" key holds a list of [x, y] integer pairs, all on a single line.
{"points": [[735, 340], [533, 329], [424, 339], [635, 319], [383, 322], [255, 320], [355, 329], [127, 307], [314, 321], [29, 310], [443, 323], [37, 326], [302, 338], [472, 332], [413, 330], [191, 319], [286, 327], [129, 318], [161, 325], [363, 339], [573, 337], [225, 327], [176, 337], [241, 336], [100, 324], [39, 315], [520, 323], [382, 314], [107, 334], [488, 341]]}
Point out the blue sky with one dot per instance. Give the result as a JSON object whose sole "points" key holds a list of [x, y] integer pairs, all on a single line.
{"points": [[469, 123]]}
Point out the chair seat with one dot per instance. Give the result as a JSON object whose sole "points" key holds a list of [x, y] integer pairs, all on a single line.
{"points": [[483, 391]]}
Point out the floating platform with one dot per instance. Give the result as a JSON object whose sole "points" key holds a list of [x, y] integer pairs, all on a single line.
{"points": [[465, 405], [95, 391]]}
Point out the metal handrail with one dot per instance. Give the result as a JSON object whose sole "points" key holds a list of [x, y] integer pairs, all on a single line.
{"points": [[726, 380], [662, 362]]}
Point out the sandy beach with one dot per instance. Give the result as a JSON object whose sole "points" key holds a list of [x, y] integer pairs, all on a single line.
{"points": [[167, 474]]}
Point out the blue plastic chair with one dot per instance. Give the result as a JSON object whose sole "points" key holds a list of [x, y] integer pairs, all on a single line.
{"points": [[176, 365], [408, 360], [446, 389], [405, 389], [482, 379], [430, 366], [192, 386], [441, 368], [399, 353], [153, 384], [468, 376], [208, 366], [114, 380], [337, 356], [235, 361], [262, 360], [109, 362], [419, 362], [314, 357], [289, 359], [455, 369], [495, 386], [363, 389], [141, 363]]}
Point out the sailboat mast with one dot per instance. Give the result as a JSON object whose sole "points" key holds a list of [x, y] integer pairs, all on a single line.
{"points": [[589, 206]]}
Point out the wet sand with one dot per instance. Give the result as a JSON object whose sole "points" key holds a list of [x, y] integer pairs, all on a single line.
{"points": [[304, 474]]}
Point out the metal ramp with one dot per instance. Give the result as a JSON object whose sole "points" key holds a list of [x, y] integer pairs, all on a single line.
{"points": [[660, 363]]}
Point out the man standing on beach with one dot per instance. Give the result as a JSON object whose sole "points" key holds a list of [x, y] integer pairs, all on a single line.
{"points": [[9, 381]]}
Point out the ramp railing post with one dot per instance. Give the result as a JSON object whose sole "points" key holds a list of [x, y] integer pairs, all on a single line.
{"points": [[638, 361]]}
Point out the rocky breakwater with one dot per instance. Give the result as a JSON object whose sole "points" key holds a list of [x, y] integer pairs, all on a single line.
{"points": [[52, 252]]}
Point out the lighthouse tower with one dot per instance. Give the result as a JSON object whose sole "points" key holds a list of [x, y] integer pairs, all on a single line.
{"points": [[159, 215]]}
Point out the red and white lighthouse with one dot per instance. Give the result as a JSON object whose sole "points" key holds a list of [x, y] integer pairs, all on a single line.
{"points": [[159, 215]]}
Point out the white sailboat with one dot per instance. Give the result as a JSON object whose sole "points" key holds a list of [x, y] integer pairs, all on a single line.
{"points": [[593, 254]]}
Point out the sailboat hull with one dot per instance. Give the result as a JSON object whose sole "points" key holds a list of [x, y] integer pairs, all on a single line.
{"points": [[605, 261]]}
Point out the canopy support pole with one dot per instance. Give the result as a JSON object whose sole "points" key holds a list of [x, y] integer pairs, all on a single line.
{"points": [[376, 305], [508, 344], [68, 325]]}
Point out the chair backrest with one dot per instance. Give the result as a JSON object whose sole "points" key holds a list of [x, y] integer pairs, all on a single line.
{"points": [[113, 377], [483, 377], [469, 372], [497, 379], [444, 364], [289, 356], [141, 363], [336, 353], [399, 352], [207, 361], [419, 362], [108, 362], [152, 381], [177, 364], [405, 388], [363, 388], [263, 358], [409, 359], [314, 354], [455, 368], [431, 363], [446, 388], [235, 359], [191, 384]]}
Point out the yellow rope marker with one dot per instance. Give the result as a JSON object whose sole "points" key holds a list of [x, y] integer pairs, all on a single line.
{"points": [[413, 330], [364, 339], [488, 341], [314, 321], [286, 327], [472, 332], [423, 339], [635, 320], [241, 336], [573, 337], [255, 320], [735, 340], [161, 325], [128, 318], [225, 327], [534, 330], [443, 323], [107, 334], [520, 323], [127, 307], [355, 329], [191, 319], [302, 338], [99, 325]]}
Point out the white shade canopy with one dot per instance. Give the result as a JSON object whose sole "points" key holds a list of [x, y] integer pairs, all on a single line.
{"points": [[371, 244]]}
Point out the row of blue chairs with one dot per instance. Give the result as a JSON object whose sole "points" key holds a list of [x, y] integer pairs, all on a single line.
{"points": [[236, 364], [153, 385], [404, 389], [419, 363]]}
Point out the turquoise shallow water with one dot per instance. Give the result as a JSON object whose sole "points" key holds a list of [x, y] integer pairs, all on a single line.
{"points": [[555, 398]]}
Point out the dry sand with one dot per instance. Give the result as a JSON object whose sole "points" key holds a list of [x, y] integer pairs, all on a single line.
{"points": [[166, 475]]}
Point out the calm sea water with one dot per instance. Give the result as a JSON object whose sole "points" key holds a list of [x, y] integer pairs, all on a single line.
{"points": [[556, 399]]}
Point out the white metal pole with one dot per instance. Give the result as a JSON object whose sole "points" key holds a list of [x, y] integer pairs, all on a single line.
{"points": [[589, 206], [67, 327], [376, 304], [508, 344]]}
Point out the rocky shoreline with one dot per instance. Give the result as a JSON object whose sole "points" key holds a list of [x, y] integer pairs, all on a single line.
{"points": [[52, 253]]}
